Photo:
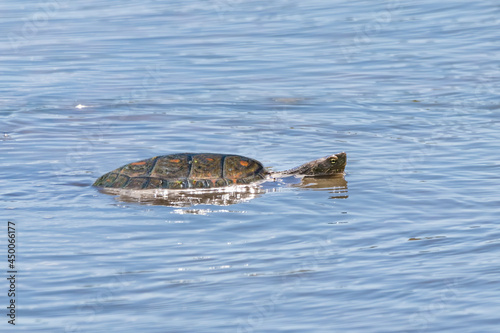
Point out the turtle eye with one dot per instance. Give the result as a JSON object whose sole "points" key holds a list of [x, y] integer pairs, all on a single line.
{"points": [[333, 161]]}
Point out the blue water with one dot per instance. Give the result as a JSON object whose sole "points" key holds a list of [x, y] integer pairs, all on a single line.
{"points": [[408, 89]]}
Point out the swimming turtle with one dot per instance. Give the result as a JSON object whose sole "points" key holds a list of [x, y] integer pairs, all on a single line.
{"points": [[206, 170]]}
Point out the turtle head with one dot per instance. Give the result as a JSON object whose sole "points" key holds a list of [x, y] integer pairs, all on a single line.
{"points": [[325, 166]]}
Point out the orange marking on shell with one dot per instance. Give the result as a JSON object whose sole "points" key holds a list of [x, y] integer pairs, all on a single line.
{"points": [[244, 163], [138, 163], [175, 161], [210, 159]]}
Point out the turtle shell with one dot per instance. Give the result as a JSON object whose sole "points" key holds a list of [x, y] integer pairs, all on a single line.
{"points": [[183, 171]]}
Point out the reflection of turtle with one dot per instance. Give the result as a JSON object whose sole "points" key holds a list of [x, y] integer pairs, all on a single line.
{"points": [[225, 196], [190, 171]]}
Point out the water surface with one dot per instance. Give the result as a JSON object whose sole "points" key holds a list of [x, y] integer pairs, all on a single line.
{"points": [[408, 89]]}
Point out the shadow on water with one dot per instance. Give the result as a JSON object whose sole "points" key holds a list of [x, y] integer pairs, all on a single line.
{"points": [[227, 195]]}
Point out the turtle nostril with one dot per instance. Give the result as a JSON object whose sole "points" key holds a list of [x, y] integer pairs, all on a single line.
{"points": [[341, 155]]}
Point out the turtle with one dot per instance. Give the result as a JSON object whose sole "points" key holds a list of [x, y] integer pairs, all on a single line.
{"points": [[208, 170]]}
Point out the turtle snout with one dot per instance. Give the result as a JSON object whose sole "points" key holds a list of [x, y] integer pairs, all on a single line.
{"points": [[341, 158]]}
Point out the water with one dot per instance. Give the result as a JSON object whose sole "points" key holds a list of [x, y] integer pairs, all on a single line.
{"points": [[408, 89]]}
